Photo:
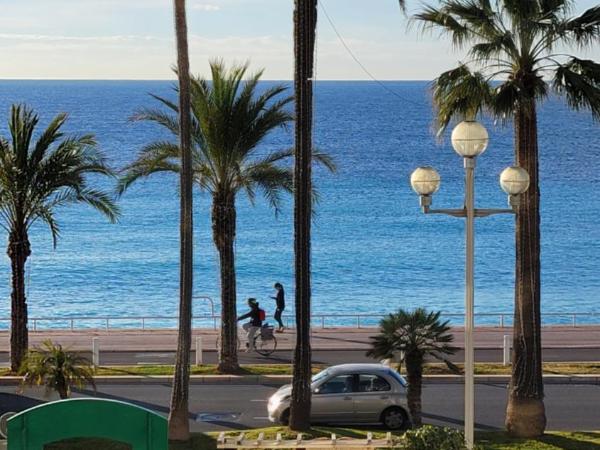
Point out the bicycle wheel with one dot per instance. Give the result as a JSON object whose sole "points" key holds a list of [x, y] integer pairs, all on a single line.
{"points": [[265, 347]]}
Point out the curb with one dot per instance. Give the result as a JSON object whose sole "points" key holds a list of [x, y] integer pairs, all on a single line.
{"points": [[590, 379]]}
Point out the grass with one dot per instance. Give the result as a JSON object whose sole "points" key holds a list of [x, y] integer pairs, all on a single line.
{"points": [[286, 369], [208, 369], [576, 440], [592, 368]]}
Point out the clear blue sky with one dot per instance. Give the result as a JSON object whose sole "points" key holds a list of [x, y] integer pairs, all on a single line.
{"points": [[133, 39]]}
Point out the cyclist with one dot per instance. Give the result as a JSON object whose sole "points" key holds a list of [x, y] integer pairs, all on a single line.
{"points": [[255, 323]]}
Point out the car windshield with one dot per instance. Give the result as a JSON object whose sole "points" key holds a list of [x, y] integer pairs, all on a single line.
{"points": [[322, 374]]}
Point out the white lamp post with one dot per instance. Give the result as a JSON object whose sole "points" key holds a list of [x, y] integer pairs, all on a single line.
{"points": [[469, 140]]}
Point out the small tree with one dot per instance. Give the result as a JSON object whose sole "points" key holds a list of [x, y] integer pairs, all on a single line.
{"points": [[414, 335], [56, 369], [40, 172]]}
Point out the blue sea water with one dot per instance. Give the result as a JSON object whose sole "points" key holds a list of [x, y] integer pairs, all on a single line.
{"points": [[373, 250]]}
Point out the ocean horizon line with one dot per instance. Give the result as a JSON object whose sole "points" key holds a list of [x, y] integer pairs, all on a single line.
{"points": [[262, 80]]}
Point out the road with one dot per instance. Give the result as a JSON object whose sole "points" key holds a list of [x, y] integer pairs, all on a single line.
{"points": [[224, 407], [328, 357]]}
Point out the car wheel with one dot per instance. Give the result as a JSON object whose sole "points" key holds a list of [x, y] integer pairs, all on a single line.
{"points": [[284, 419], [394, 418]]}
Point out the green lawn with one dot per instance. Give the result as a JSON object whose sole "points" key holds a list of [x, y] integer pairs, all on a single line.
{"points": [[286, 369], [486, 441], [578, 440]]}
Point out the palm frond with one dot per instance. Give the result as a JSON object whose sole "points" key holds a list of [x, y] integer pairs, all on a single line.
{"points": [[34, 175], [142, 169], [459, 94], [579, 81], [164, 119], [584, 29], [50, 135], [45, 213], [100, 201], [432, 18], [271, 180]]}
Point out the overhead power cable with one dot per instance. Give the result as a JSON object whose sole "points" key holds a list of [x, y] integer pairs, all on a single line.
{"points": [[360, 64]]}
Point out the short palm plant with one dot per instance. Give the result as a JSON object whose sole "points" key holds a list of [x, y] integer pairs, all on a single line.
{"points": [[38, 175], [516, 57], [414, 335], [56, 369], [230, 119]]}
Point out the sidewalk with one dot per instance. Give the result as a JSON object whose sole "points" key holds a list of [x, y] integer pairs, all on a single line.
{"points": [[322, 339]]}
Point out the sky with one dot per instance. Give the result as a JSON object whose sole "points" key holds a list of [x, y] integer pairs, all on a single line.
{"points": [[134, 39]]}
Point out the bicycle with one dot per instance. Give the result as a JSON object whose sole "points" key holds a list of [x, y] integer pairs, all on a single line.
{"points": [[265, 342]]}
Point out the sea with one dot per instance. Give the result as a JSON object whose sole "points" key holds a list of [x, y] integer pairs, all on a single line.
{"points": [[373, 250]]}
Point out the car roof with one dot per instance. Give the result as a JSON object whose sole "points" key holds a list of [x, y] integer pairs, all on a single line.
{"points": [[357, 368]]}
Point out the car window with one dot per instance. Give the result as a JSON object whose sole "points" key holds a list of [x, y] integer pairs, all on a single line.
{"points": [[397, 377], [372, 383], [320, 375], [338, 385]]}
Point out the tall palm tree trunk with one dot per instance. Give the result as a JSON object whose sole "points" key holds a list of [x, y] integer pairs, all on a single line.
{"points": [[525, 415], [305, 22], [414, 377], [223, 223], [18, 251], [179, 429]]}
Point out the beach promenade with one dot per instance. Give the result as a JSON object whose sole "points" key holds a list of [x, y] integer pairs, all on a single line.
{"points": [[330, 345]]}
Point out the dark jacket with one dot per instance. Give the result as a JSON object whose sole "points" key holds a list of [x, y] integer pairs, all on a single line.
{"points": [[254, 315], [280, 300]]}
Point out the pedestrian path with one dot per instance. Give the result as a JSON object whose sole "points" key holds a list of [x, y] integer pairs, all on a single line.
{"points": [[340, 338]]}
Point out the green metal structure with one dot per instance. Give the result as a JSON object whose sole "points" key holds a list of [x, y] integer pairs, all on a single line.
{"points": [[141, 428]]}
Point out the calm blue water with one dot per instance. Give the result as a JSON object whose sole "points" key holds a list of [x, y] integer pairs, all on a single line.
{"points": [[373, 249]]}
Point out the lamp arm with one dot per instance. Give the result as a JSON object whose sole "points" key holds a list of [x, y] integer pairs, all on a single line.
{"points": [[448, 212], [491, 212], [463, 212]]}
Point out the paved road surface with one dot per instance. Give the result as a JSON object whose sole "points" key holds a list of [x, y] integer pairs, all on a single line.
{"points": [[222, 407]]}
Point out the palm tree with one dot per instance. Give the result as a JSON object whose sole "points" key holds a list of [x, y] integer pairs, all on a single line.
{"points": [[415, 335], [514, 64], [305, 24], [230, 120], [38, 176], [179, 428], [57, 369]]}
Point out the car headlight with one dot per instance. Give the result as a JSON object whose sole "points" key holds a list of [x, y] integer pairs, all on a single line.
{"points": [[276, 400]]}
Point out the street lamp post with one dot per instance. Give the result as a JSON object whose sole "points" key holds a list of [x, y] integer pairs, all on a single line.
{"points": [[469, 140]]}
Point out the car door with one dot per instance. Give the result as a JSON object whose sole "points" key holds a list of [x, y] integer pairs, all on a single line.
{"points": [[372, 397], [332, 401]]}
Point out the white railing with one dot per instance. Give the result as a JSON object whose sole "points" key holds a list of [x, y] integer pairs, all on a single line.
{"points": [[357, 320], [334, 442]]}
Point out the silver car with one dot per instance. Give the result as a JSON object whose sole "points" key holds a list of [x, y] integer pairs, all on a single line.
{"points": [[350, 393]]}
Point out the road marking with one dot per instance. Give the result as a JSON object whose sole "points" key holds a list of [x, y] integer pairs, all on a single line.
{"points": [[259, 400], [260, 418]]}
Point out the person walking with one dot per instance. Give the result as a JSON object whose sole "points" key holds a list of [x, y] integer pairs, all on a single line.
{"points": [[254, 324], [280, 303]]}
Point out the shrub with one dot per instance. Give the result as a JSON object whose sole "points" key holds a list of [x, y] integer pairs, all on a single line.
{"points": [[433, 438], [56, 369]]}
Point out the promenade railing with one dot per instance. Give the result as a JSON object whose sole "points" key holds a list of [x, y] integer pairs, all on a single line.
{"points": [[319, 320]]}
